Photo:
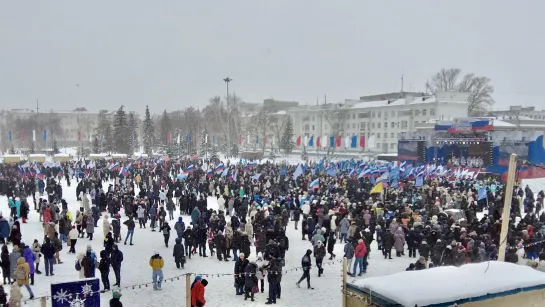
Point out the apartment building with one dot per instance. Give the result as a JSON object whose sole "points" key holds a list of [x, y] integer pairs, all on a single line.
{"points": [[518, 112], [380, 121]]}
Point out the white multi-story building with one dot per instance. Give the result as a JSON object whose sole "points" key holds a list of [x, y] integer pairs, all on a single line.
{"points": [[65, 126], [519, 112], [380, 121]]}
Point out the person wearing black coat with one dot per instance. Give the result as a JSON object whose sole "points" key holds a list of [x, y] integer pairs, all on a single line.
{"points": [[420, 264], [424, 250], [116, 259], [48, 250], [411, 240], [221, 249], [331, 245], [296, 217], [250, 280], [104, 268], [306, 264], [272, 279], [188, 241], [245, 244], [4, 258], [240, 266], [179, 254], [387, 243]]}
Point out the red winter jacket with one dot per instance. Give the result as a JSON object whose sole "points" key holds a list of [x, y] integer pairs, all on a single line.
{"points": [[361, 250], [197, 293]]}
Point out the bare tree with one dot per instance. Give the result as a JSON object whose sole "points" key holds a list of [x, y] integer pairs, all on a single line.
{"points": [[278, 125], [479, 88], [335, 116]]}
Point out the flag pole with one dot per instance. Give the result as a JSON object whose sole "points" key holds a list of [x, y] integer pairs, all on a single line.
{"points": [[507, 206]]}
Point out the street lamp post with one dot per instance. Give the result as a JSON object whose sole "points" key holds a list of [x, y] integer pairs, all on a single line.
{"points": [[227, 80]]}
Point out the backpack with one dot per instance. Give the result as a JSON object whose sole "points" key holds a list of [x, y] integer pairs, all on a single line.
{"points": [[20, 273], [78, 265]]}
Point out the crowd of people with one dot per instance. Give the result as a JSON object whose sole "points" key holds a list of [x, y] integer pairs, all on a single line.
{"points": [[435, 223]]}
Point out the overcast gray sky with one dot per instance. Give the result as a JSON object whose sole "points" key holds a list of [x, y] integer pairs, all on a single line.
{"points": [[172, 53]]}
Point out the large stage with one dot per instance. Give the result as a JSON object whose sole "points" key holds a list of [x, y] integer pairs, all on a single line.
{"points": [[475, 144]]}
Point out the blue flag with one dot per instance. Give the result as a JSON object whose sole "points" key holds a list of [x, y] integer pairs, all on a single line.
{"points": [[45, 135], [482, 193], [298, 172], [353, 142], [419, 181]]}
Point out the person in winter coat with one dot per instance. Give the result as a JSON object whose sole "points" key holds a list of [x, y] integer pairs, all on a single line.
{"points": [[331, 240], [3, 297], [141, 215], [306, 265], [48, 250], [116, 227], [36, 249], [178, 253], [73, 236], [424, 250], [130, 229], [349, 253], [240, 266], [360, 253], [89, 263], [5, 264], [13, 257], [387, 244], [420, 264], [399, 241], [319, 254], [179, 227], [250, 278], [22, 272], [197, 292], [115, 301], [104, 268], [15, 236], [165, 229], [157, 263], [15, 296], [116, 259], [81, 271], [90, 227], [221, 248], [106, 227], [345, 224], [79, 223], [4, 229], [29, 256]]}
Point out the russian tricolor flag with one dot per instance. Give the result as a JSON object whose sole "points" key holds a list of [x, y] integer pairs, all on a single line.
{"points": [[210, 173], [219, 168], [189, 169], [252, 164], [315, 184]]}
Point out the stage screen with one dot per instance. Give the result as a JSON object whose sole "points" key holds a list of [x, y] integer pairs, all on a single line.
{"points": [[506, 150], [471, 155], [407, 150]]}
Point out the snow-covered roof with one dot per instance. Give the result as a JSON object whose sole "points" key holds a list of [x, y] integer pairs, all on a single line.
{"points": [[501, 123], [452, 284], [37, 155], [12, 156], [61, 155]]}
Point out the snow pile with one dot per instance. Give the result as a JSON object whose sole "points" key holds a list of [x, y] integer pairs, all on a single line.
{"points": [[450, 284]]}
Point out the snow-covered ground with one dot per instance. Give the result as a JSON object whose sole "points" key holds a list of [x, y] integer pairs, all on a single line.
{"points": [[220, 290], [135, 269]]}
